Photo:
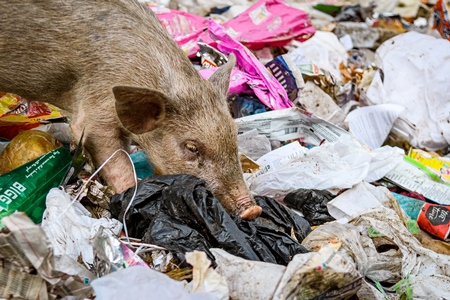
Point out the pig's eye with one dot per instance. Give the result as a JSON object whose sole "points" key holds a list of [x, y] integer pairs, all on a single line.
{"points": [[191, 151], [192, 148]]}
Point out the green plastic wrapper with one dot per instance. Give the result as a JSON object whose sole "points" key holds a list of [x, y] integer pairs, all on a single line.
{"points": [[25, 188]]}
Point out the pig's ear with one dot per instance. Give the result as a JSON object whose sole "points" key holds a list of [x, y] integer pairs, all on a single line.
{"points": [[139, 110], [221, 77]]}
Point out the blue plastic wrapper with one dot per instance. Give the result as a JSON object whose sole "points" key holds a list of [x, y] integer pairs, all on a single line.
{"points": [[142, 165], [245, 106], [410, 206]]}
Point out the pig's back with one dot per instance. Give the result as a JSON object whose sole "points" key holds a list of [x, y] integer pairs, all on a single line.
{"points": [[48, 48]]}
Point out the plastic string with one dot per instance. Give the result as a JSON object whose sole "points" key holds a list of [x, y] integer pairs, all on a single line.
{"points": [[95, 173]]}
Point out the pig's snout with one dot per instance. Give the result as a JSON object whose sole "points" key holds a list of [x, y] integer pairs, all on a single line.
{"points": [[248, 209], [251, 213]]}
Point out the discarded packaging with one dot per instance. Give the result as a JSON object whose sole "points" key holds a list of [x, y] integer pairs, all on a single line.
{"points": [[312, 204], [412, 178], [178, 213], [25, 188], [253, 145], [323, 50], [329, 166], [320, 104], [30, 251], [437, 167], [185, 28], [205, 279], [25, 147], [210, 57], [338, 277], [291, 124], [441, 19], [287, 73], [18, 114], [70, 227], [142, 283], [246, 277], [414, 69], [270, 23], [272, 93], [435, 219]]}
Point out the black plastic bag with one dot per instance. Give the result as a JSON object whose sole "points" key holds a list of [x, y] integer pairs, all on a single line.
{"points": [[312, 204], [178, 212], [355, 13]]}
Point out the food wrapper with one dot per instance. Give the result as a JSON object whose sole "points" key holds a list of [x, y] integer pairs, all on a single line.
{"points": [[25, 188], [389, 21], [185, 28], [338, 277], [435, 219], [437, 167], [210, 57], [271, 92], [111, 255], [441, 19], [18, 114], [287, 73], [270, 23]]}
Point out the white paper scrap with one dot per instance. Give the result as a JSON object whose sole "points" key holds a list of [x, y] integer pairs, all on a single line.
{"points": [[372, 124], [413, 179]]}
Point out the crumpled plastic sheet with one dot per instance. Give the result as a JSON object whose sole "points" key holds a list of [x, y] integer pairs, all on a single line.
{"points": [[384, 250], [206, 279], [415, 75], [143, 283], [324, 50], [178, 213], [312, 204], [185, 28], [245, 278], [329, 166], [270, 23], [274, 95], [70, 227], [253, 145], [315, 275]]}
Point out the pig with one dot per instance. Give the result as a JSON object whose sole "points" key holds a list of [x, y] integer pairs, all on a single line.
{"points": [[120, 76]]}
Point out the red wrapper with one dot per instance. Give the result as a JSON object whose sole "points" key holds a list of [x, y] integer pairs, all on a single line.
{"points": [[435, 219], [441, 19]]}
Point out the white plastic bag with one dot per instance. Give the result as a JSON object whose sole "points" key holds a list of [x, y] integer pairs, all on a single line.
{"points": [[142, 283], [248, 279], [206, 279], [253, 145], [323, 49], [329, 166], [416, 76], [70, 227]]}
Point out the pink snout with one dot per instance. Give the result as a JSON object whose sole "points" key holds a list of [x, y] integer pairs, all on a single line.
{"points": [[248, 209]]}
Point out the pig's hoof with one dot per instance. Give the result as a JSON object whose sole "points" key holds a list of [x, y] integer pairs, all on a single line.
{"points": [[251, 213]]}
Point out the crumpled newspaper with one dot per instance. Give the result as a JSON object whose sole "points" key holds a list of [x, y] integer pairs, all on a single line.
{"points": [[26, 249]]}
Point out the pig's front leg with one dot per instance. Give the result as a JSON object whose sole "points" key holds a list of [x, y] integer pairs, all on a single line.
{"points": [[101, 139]]}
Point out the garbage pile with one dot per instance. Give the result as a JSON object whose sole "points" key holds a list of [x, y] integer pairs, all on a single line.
{"points": [[343, 117]]}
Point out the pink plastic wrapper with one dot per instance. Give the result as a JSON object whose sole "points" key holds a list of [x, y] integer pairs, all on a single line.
{"points": [[270, 23], [268, 90], [184, 27]]}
